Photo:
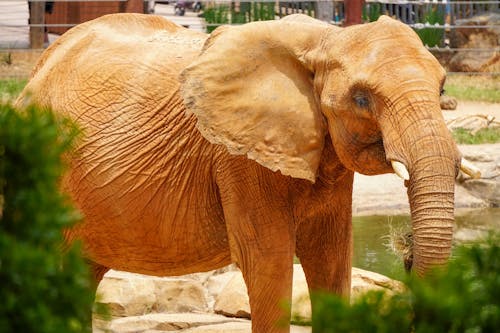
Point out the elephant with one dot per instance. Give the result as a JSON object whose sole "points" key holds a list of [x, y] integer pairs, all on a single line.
{"points": [[240, 146]]}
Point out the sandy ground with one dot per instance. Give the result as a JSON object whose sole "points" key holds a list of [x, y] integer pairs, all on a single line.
{"points": [[473, 108]]}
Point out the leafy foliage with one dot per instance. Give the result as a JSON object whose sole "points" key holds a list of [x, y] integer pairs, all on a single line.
{"points": [[371, 12], [432, 36], [219, 14], [44, 289], [464, 297]]}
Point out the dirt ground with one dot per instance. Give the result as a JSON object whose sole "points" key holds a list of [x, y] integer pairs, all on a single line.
{"points": [[17, 63], [473, 108]]}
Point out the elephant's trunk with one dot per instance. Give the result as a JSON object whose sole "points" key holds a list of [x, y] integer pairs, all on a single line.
{"points": [[424, 145], [431, 197]]}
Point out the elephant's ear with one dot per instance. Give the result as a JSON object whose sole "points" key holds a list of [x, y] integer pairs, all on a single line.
{"points": [[252, 91]]}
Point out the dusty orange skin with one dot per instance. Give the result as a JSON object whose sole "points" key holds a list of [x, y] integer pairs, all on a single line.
{"points": [[241, 147]]}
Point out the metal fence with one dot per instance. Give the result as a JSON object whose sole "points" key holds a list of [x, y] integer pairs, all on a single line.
{"points": [[440, 23]]}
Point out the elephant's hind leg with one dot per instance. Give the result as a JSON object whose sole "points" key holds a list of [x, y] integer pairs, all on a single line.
{"points": [[97, 271]]}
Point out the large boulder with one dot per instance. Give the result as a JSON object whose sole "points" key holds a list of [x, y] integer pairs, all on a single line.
{"points": [[128, 294], [233, 298], [205, 302], [487, 158], [486, 37]]}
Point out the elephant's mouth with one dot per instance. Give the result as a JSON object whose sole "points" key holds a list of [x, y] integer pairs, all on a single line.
{"points": [[372, 159]]}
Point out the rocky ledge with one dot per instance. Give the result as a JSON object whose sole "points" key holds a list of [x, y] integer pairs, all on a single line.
{"points": [[214, 301]]}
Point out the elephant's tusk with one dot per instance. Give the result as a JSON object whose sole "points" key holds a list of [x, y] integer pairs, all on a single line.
{"points": [[470, 169], [400, 170]]}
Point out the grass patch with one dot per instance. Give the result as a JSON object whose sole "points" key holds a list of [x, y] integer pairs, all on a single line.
{"points": [[486, 135], [474, 88], [10, 89]]}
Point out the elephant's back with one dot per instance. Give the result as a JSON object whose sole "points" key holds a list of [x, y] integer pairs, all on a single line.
{"points": [[122, 52], [126, 29]]}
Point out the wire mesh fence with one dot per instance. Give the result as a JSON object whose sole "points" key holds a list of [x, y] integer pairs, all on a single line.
{"points": [[450, 29]]}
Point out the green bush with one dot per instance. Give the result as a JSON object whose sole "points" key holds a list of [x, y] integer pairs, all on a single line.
{"points": [[218, 14], [432, 36], [44, 289], [464, 297], [371, 12]]}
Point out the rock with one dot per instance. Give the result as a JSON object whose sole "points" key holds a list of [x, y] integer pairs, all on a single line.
{"points": [[473, 123], [240, 327], [364, 281], [162, 322], [480, 38], [465, 200], [179, 295], [301, 304], [486, 189], [233, 299], [464, 235], [129, 294], [136, 301], [487, 158], [448, 102], [229, 327], [215, 284]]}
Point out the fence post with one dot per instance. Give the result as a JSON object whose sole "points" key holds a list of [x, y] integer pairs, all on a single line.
{"points": [[324, 10], [37, 16], [353, 12], [73, 13], [133, 6]]}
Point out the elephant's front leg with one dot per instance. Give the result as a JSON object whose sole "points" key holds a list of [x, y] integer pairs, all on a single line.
{"points": [[261, 239], [324, 243]]}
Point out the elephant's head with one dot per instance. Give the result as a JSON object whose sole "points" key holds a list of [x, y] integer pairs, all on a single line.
{"points": [[273, 90]]}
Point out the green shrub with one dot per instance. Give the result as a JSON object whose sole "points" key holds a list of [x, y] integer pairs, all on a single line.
{"points": [[464, 297], [432, 36], [218, 14], [371, 12], [44, 289]]}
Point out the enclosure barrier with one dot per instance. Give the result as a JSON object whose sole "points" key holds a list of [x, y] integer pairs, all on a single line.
{"points": [[435, 21]]}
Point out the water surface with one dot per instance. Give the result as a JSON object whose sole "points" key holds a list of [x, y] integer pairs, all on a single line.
{"points": [[371, 237]]}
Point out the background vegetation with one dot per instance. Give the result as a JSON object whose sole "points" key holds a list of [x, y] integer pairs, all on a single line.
{"points": [[464, 297], [474, 88], [219, 14], [434, 14], [44, 289]]}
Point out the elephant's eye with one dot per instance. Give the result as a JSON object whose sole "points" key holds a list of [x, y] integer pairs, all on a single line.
{"points": [[362, 101]]}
